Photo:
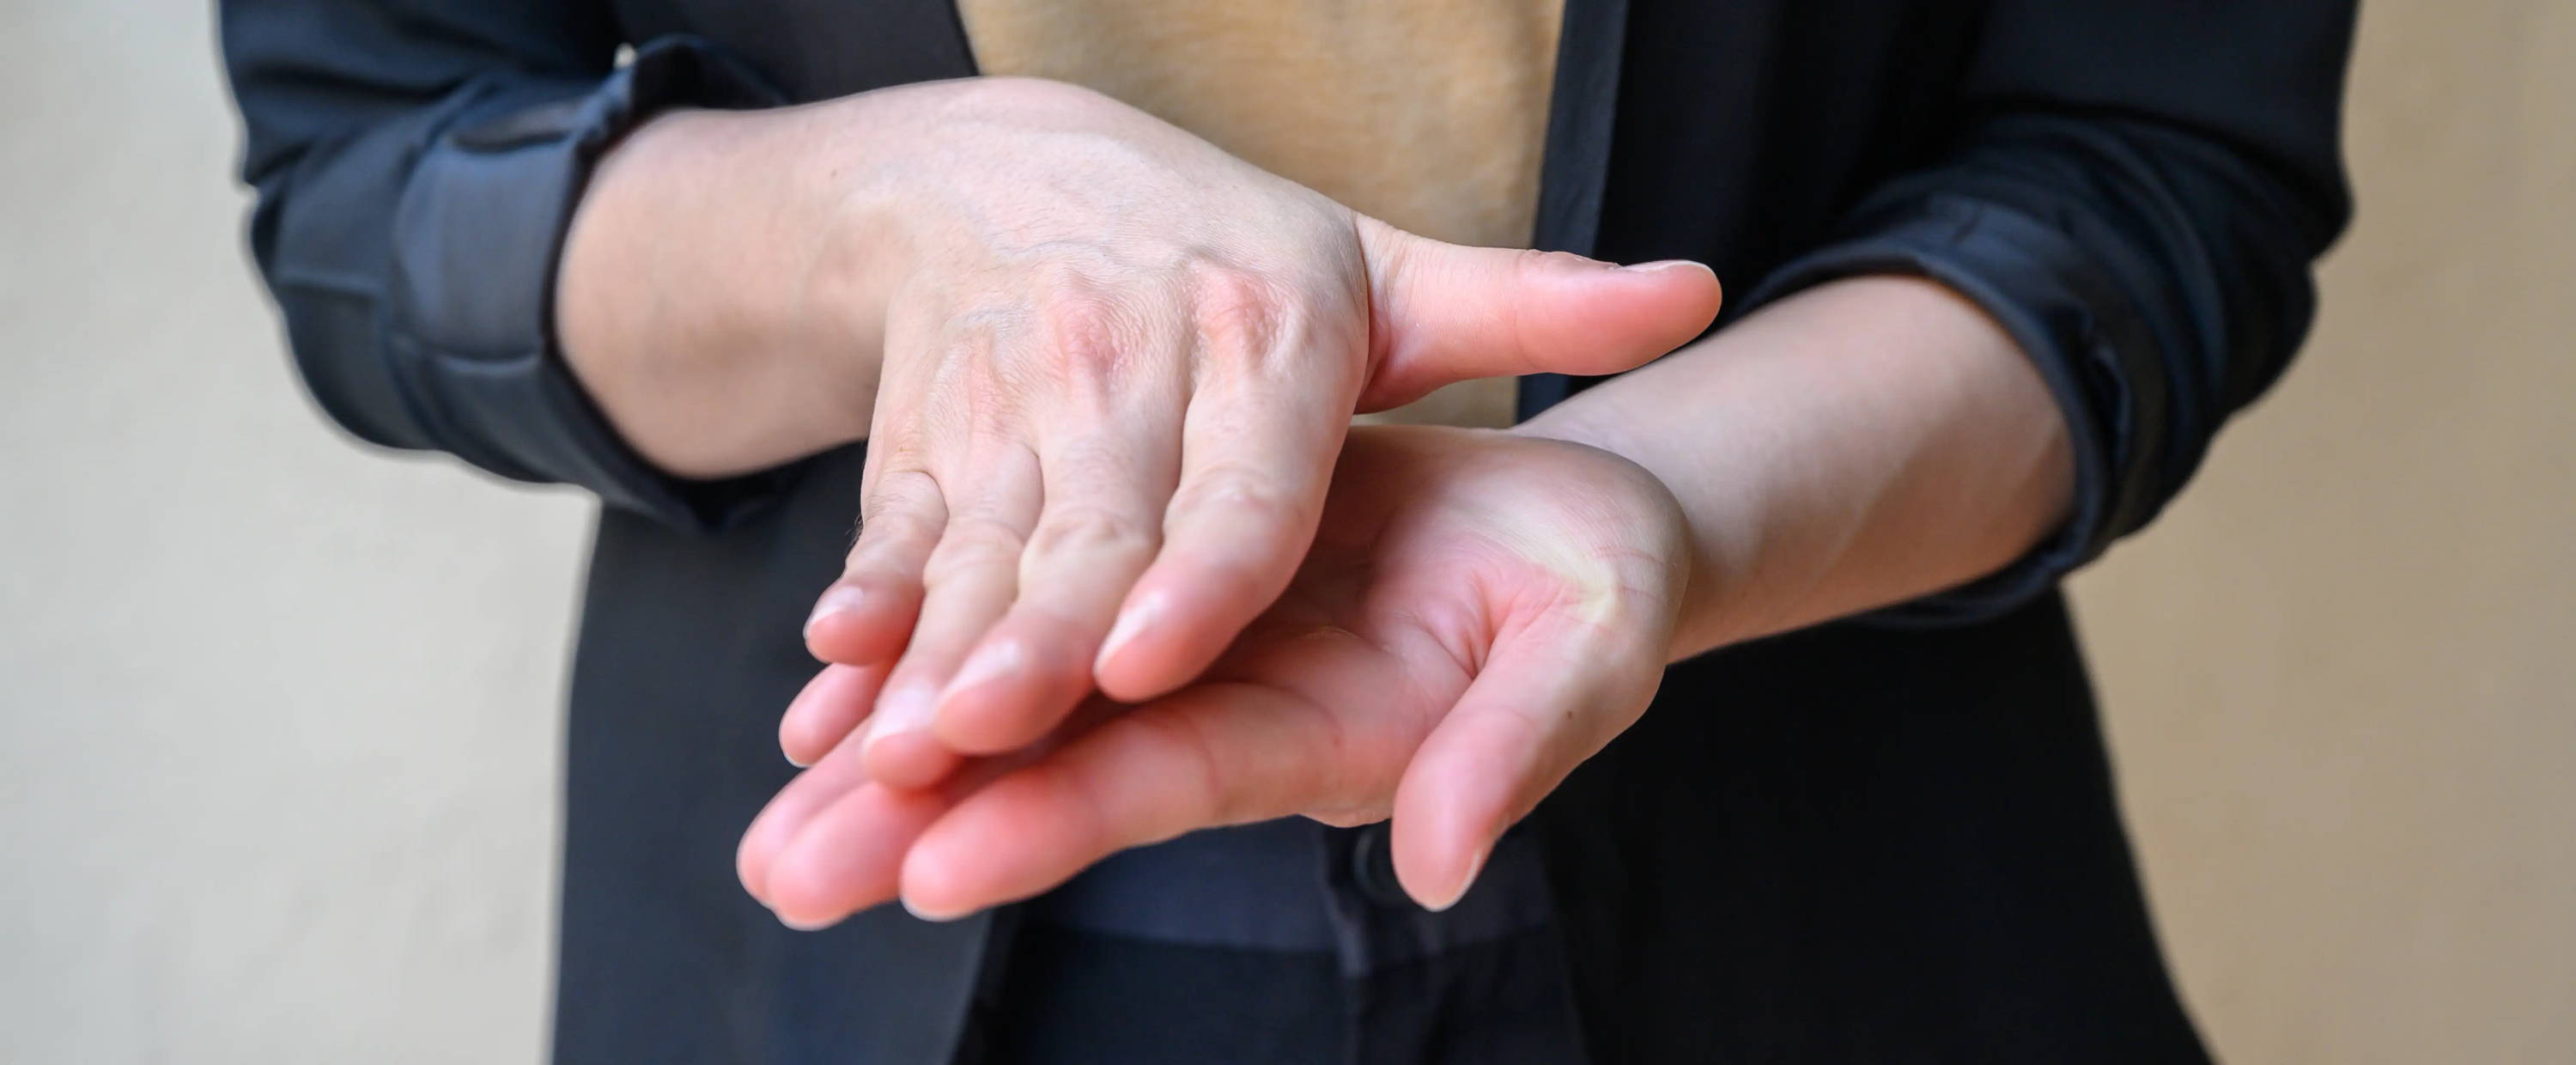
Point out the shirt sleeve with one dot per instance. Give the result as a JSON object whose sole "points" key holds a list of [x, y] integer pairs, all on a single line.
{"points": [[416, 165], [2137, 194]]}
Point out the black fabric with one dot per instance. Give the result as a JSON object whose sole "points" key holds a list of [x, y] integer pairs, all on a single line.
{"points": [[1878, 845], [1861, 843], [1073, 996], [2138, 187], [1259, 886], [417, 170]]}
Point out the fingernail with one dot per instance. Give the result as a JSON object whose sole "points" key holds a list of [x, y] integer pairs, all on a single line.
{"points": [[931, 915], [989, 661], [835, 599], [806, 926], [791, 760], [1474, 867], [1131, 622], [1664, 265], [900, 711]]}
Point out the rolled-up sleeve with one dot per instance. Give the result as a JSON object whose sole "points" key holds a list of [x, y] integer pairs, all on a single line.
{"points": [[417, 165], [2137, 194]]}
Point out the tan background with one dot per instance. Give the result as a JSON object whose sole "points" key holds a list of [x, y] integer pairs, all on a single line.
{"points": [[2341, 673], [278, 717]]}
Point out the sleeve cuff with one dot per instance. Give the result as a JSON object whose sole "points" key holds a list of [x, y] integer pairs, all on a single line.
{"points": [[2079, 328], [469, 314]]}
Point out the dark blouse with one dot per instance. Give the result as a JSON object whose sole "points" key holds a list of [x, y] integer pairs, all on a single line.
{"points": [[1888, 839]]}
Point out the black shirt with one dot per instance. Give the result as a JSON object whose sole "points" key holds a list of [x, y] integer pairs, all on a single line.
{"points": [[1888, 839]]}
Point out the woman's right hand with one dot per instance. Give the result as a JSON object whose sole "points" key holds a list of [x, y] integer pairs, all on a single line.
{"points": [[1113, 367]]}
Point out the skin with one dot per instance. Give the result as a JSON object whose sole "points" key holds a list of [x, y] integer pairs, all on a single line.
{"points": [[1104, 369], [1123, 574], [1483, 610]]}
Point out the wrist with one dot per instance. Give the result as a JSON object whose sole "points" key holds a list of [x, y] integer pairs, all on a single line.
{"points": [[696, 302], [1693, 572]]}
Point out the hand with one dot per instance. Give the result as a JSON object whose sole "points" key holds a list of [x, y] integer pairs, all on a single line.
{"points": [[1118, 364], [1479, 613]]}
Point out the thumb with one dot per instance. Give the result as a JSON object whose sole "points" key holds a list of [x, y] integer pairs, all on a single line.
{"points": [[1544, 703], [1443, 312]]}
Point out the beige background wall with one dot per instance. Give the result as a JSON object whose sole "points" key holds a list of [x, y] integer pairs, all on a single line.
{"points": [[278, 717], [2341, 673]]}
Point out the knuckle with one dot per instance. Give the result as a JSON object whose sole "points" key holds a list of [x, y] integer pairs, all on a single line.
{"points": [[1531, 261], [1090, 531], [886, 534], [1240, 490], [899, 449], [899, 486], [902, 511], [972, 545], [994, 403], [1240, 313], [1215, 796], [1088, 331]]}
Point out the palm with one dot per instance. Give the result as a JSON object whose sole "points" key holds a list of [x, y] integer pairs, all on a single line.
{"points": [[1479, 612]]}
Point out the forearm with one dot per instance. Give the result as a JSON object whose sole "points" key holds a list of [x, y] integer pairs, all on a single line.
{"points": [[1859, 444], [721, 292]]}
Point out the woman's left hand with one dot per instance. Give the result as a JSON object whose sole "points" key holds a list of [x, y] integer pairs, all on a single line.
{"points": [[1480, 613]]}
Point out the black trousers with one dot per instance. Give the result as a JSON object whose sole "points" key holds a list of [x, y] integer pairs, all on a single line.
{"points": [[1074, 997]]}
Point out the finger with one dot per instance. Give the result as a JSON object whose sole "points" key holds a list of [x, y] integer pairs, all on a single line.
{"points": [[844, 856], [1544, 702], [835, 774], [1443, 312], [968, 582], [822, 715], [825, 851], [865, 616], [1102, 523], [1217, 754], [1254, 468]]}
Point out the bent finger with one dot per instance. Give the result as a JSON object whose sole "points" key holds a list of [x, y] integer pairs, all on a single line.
{"points": [[864, 617], [822, 715], [1253, 474], [1104, 500]]}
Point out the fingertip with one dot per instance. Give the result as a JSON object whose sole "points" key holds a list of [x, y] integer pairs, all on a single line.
{"points": [[1436, 862], [1439, 842], [751, 869], [857, 632], [1142, 675], [931, 883], [1010, 692], [911, 759], [1695, 285], [1140, 614], [1172, 639], [1437, 892], [1453, 802], [822, 714], [922, 912], [802, 897], [1124, 682], [930, 888], [1009, 841], [845, 859], [755, 858], [1667, 303], [757, 852], [1689, 270]]}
